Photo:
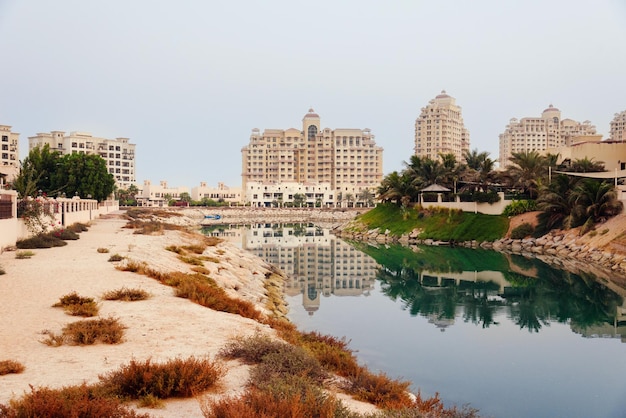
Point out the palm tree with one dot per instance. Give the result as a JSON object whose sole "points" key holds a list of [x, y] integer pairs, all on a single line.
{"points": [[479, 171], [528, 171], [586, 165], [557, 204], [397, 188], [596, 200]]}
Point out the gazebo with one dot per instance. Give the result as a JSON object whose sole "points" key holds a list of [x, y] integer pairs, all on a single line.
{"points": [[433, 188]]}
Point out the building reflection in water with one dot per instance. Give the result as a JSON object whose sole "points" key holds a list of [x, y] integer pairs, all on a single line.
{"points": [[316, 262]]}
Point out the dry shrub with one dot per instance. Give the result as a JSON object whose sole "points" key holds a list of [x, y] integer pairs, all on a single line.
{"points": [[40, 241], [291, 397], [103, 250], [76, 305], [194, 261], [87, 332], [379, 389], [116, 257], [2, 271], [77, 227], [10, 366], [211, 241], [289, 361], [71, 401], [66, 234], [175, 378], [333, 353], [137, 213], [174, 248], [428, 408], [251, 349], [201, 270], [125, 294], [211, 259], [133, 266], [203, 291], [195, 248], [151, 401]]}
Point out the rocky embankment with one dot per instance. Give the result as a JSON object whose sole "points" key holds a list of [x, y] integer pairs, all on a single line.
{"points": [[601, 252]]}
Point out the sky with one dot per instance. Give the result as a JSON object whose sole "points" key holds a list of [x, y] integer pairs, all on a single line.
{"points": [[187, 81]]}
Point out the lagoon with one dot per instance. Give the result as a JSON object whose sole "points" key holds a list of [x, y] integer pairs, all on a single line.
{"points": [[510, 336]]}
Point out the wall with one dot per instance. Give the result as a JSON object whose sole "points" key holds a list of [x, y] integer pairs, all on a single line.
{"points": [[485, 208], [8, 227]]}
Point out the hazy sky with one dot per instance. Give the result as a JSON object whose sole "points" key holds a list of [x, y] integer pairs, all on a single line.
{"points": [[188, 80]]}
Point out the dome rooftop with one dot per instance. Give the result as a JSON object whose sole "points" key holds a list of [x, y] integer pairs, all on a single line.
{"points": [[443, 95], [311, 114], [551, 109]]}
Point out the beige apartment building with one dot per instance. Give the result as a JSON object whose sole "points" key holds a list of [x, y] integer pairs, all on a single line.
{"points": [[221, 193], [9, 154], [158, 195], [118, 153], [618, 127], [440, 129], [342, 159], [548, 131]]}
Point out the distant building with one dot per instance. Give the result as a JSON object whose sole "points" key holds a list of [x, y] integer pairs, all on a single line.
{"points": [[118, 153], [221, 193], [548, 131], [440, 129], [9, 153], [618, 127], [314, 155], [158, 195]]}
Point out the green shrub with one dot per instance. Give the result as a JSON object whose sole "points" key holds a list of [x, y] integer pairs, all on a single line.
{"points": [[522, 231], [66, 234], [40, 241], [517, 207], [21, 255]]}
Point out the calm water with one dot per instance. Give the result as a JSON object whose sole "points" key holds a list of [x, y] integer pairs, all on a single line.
{"points": [[507, 335]]}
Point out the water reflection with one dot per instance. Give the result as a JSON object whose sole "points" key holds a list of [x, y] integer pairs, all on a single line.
{"points": [[441, 284]]}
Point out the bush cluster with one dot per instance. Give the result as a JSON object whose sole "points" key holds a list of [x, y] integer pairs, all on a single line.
{"points": [[522, 231], [517, 207]]}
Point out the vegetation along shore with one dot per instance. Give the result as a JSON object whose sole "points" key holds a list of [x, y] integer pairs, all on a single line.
{"points": [[170, 323]]}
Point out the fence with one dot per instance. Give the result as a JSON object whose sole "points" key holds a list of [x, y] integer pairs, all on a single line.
{"points": [[64, 211]]}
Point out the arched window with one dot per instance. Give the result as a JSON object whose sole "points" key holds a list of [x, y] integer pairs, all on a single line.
{"points": [[312, 132]]}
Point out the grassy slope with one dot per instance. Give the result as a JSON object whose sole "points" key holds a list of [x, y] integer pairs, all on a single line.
{"points": [[439, 224]]}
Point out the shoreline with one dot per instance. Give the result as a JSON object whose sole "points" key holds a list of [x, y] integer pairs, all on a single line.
{"points": [[159, 328]]}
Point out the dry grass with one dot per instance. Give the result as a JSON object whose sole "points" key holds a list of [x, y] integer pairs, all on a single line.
{"points": [[103, 250], [76, 305], [175, 378], [87, 332], [189, 259], [195, 248], [199, 269], [116, 257], [10, 366], [71, 401], [126, 295]]}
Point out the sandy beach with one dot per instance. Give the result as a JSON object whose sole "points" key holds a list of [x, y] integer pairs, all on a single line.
{"points": [[159, 328]]}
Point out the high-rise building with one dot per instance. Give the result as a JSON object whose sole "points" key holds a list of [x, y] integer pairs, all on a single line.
{"points": [[618, 127], [345, 160], [118, 153], [439, 129], [9, 152], [548, 131]]}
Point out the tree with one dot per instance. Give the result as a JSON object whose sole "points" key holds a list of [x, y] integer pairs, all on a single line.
{"points": [[38, 171], [586, 165], [528, 171], [185, 197], [596, 200], [556, 203], [478, 172], [397, 188], [85, 175], [298, 199]]}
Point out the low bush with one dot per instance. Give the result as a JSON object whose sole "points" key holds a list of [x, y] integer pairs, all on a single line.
{"points": [[2, 271], [87, 332], [77, 227], [175, 378], [194, 261], [379, 389], [21, 255], [522, 231], [196, 248], [71, 401], [125, 294], [175, 249], [66, 235], [40, 241], [116, 257], [76, 305], [517, 207], [102, 250], [201, 270], [10, 366], [289, 397]]}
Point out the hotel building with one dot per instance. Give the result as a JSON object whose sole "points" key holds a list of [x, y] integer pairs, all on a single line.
{"points": [[439, 129], [118, 153], [548, 131], [618, 127], [9, 153], [346, 161]]}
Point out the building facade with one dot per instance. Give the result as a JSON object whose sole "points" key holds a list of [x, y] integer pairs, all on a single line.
{"points": [[548, 131], [618, 127], [335, 158], [158, 195], [440, 129], [118, 153], [9, 153], [221, 193]]}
